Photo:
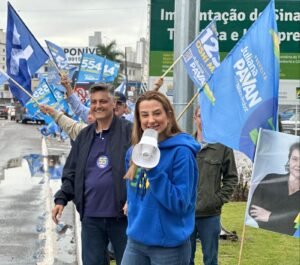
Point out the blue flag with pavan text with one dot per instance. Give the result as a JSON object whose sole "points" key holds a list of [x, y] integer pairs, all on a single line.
{"points": [[24, 55], [201, 57], [245, 88]]}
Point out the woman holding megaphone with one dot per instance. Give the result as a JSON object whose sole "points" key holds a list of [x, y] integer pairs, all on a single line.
{"points": [[161, 186]]}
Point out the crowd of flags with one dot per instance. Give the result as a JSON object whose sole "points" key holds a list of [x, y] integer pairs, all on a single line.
{"points": [[25, 56], [231, 92]]}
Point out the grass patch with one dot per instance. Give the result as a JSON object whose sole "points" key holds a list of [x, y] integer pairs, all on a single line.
{"points": [[261, 247]]}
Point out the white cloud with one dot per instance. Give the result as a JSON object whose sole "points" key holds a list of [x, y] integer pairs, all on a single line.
{"points": [[70, 22]]}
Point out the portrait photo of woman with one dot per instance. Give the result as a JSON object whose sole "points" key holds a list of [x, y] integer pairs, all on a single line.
{"points": [[275, 203]]}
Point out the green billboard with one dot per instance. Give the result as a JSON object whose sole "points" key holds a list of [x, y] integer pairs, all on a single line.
{"points": [[233, 17]]}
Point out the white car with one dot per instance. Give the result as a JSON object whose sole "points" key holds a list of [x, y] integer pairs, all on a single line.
{"points": [[292, 126]]}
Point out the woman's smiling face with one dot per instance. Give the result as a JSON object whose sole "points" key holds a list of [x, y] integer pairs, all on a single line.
{"points": [[153, 115]]}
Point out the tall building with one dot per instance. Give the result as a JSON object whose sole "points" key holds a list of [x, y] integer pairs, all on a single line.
{"points": [[141, 51], [130, 54], [2, 50], [95, 40]]}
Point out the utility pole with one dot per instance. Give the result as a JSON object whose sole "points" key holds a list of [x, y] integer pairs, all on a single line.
{"points": [[125, 71], [186, 25]]}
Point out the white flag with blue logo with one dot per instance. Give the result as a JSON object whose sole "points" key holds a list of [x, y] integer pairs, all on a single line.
{"points": [[24, 55]]}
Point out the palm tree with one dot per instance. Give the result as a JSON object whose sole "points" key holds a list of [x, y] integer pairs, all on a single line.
{"points": [[110, 51]]}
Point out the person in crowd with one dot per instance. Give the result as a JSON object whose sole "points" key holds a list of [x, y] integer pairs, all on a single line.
{"points": [[93, 179], [82, 111], [161, 200], [121, 106], [275, 203], [73, 100], [70, 126], [122, 109], [217, 180]]}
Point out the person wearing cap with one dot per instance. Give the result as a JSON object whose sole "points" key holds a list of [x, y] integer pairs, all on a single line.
{"points": [[122, 109], [93, 179]]}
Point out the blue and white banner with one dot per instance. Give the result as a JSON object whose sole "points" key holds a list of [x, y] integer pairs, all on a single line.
{"points": [[91, 68], [53, 77], [121, 88], [201, 57], [43, 95], [110, 72], [245, 88], [24, 55], [58, 56]]}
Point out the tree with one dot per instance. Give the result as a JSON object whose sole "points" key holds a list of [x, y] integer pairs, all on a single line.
{"points": [[110, 51]]}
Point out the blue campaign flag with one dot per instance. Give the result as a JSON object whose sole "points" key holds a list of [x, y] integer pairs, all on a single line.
{"points": [[53, 76], [110, 71], [201, 57], [35, 163], [121, 88], [24, 55], [59, 56], [3, 77], [245, 88], [58, 92], [91, 68], [43, 95]]}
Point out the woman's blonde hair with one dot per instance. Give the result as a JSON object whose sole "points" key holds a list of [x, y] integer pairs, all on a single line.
{"points": [[172, 127]]}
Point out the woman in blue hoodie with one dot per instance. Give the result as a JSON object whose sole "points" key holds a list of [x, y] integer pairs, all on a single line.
{"points": [[161, 201]]}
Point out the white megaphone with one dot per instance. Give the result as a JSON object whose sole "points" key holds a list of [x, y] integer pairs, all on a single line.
{"points": [[146, 153]]}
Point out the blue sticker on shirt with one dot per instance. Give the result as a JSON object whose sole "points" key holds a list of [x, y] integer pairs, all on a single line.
{"points": [[102, 161]]}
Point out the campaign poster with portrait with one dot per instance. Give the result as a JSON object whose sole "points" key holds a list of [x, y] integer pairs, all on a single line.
{"points": [[274, 195]]}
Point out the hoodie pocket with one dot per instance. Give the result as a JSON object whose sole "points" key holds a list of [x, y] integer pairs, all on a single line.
{"points": [[144, 225]]}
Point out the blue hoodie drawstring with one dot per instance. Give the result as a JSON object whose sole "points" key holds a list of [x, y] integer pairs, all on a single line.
{"points": [[141, 184]]}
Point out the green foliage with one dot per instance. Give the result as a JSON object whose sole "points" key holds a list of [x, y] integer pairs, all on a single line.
{"points": [[110, 51]]}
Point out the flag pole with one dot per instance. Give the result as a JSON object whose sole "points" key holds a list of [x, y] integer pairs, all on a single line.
{"points": [[169, 69], [56, 67], [242, 244], [19, 86], [187, 106], [157, 86]]}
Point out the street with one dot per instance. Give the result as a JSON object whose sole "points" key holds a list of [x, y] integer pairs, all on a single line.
{"points": [[28, 179]]}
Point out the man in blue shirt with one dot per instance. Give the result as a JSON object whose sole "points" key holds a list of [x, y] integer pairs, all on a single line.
{"points": [[93, 179]]}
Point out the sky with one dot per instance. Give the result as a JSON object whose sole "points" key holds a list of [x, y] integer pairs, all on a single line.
{"points": [[69, 23]]}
